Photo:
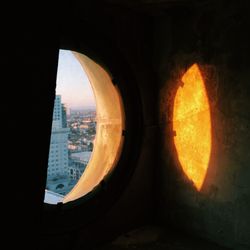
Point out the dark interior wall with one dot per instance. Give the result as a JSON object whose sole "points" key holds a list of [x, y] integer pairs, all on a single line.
{"points": [[28, 70], [127, 35], [158, 41], [214, 35], [31, 43]]}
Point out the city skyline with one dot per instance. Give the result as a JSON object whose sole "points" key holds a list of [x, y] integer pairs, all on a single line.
{"points": [[71, 145], [72, 83]]}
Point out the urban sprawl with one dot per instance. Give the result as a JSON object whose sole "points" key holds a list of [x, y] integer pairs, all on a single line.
{"points": [[71, 144]]}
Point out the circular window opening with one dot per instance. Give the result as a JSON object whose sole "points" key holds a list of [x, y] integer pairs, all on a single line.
{"points": [[86, 136]]}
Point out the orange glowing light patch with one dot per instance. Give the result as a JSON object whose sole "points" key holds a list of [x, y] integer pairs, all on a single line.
{"points": [[192, 125]]}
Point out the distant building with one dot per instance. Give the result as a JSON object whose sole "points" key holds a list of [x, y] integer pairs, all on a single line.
{"points": [[57, 113], [64, 116], [78, 163], [58, 153]]}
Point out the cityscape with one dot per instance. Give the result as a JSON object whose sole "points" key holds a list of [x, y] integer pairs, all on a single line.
{"points": [[73, 128], [71, 145]]}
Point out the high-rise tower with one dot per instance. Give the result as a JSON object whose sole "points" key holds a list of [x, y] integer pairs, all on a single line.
{"points": [[58, 153]]}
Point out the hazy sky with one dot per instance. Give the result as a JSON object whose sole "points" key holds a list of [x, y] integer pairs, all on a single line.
{"points": [[72, 82]]}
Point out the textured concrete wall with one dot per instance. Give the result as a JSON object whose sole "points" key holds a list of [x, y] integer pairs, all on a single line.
{"points": [[215, 36]]}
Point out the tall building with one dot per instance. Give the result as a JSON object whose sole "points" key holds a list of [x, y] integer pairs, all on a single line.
{"points": [[64, 116], [58, 153]]}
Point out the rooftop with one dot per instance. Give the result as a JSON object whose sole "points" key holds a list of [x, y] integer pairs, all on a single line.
{"points": [[52, 197], [82, 156]]}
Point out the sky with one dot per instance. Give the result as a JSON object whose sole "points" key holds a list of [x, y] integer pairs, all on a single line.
{"points": [[72, 83]]}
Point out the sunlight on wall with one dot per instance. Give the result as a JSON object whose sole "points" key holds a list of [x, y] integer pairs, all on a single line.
{"points": [[192, 125]]}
